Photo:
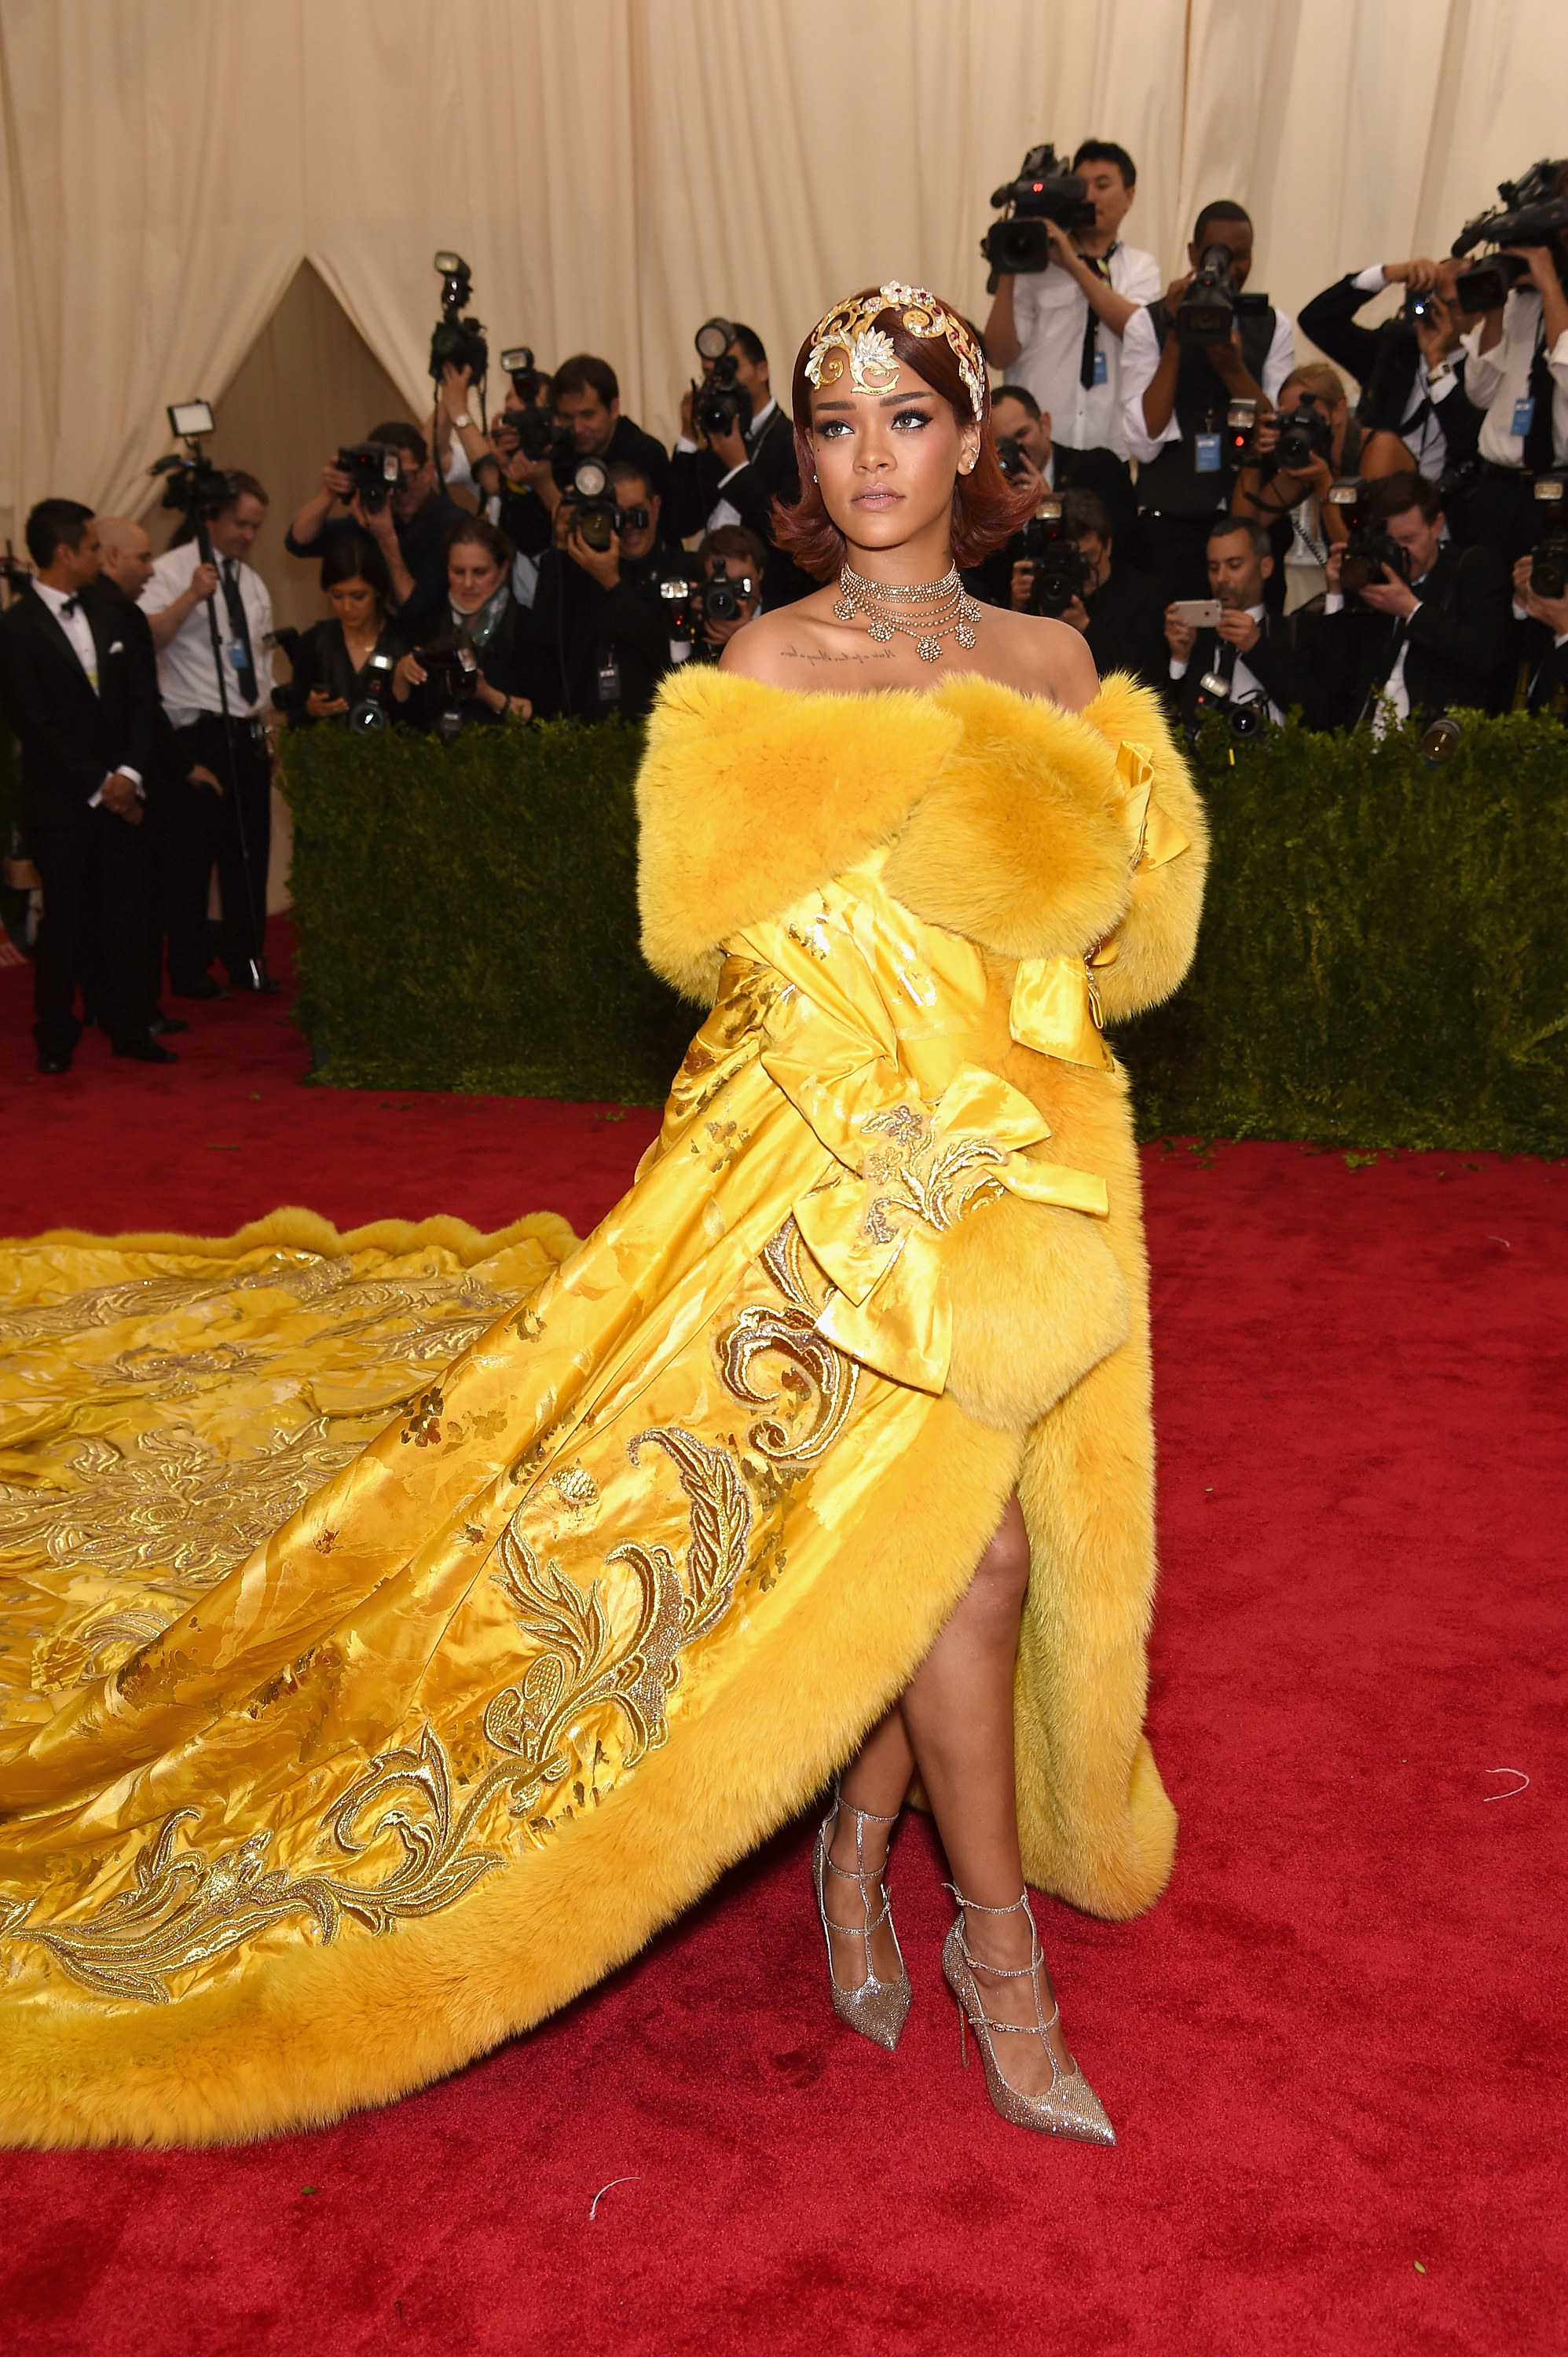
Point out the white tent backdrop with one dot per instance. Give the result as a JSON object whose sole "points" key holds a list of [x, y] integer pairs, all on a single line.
{"points": [[615, 170]]}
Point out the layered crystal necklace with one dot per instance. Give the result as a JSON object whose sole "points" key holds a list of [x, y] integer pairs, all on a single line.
{"points": [[928, 612]]}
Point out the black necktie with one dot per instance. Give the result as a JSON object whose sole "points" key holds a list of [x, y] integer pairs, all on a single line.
{"points": [[1101, 266], [244, 672], [1539, 451]]}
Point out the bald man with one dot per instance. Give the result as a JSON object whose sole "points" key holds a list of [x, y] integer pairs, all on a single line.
{"points": [[127, 568]]}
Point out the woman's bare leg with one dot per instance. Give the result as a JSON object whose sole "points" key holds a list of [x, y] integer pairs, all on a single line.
{"points": [[955, 1722]]}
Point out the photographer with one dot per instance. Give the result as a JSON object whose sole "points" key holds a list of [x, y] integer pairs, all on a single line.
{"points": [[1060, 331], [729, 466], [1428, 628], [1410, 369], [599, 609], [87, 724], [409, 526], [482, 663], [1184, 361], [587, 401], [1540, 680], [1517, 372], [1259, 656], [735, 556], [343, 666], [1117, 610], [1286, 476], [205, 826], [1029, 457], [128, 563], [518, 491]]}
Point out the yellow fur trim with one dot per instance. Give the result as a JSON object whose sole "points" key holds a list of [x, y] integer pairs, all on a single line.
{"points": [[1019, 843], [293, 1230], [750, 795], [1037, 1298], [1155, 939], [314, 2031]]}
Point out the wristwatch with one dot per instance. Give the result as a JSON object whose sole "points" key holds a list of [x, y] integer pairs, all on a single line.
{"points": [[464, 420], [1436, 372]]}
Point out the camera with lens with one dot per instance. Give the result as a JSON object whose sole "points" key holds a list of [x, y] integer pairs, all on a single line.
{"points": [[1061, 573], [1248, 714], [370, 712], [1306, 433], [194, 486], [596, 517], [1213, 303], [1419, 308], [1018, 245], [1011, 455], [721, 405], [1531, 213], [1367, 551], [457, 342], [375, 468], [721, 597], [540, 435], [1549, 557], [451, 678]]}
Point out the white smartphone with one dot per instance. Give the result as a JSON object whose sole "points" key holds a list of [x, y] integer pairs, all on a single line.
{"points": [[1203, 613]]}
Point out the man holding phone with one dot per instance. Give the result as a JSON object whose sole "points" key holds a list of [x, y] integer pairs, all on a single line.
{"points": [[1232, 636]]}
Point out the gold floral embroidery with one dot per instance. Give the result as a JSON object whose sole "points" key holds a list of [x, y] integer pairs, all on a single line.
{"points": [[185, 1909], [920, 1173], [171, 1508], [814, 1370]]}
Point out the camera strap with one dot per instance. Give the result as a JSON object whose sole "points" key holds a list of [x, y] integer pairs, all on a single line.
{"points": [[1540, 443]]}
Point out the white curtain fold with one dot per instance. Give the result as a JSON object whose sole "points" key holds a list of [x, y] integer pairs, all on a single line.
{"points": [[617, 169]]}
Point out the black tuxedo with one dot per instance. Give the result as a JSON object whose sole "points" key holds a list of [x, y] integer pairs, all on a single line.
{"points": [[1540, 672], [1384, 361], [1281, 662], [1127, 627], [91, 861], [769, 473], [1458, 640]]}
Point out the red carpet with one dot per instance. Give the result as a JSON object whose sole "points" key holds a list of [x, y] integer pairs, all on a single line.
{"points": [[1334, 2053]]}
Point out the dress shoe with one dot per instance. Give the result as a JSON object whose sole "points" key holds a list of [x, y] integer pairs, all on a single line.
{"points": [[162, 1023], [146, 1051], [199, 985], [54, 1059]]}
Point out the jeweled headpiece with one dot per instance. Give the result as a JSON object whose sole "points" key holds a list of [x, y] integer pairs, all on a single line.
{"points": [[847, 340]]}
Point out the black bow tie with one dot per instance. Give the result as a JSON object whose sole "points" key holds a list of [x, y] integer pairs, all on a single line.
{"points": [[71, 606]]}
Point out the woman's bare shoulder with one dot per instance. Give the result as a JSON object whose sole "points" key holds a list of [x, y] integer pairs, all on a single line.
{"points": [[1040, 657], [784, 648]]}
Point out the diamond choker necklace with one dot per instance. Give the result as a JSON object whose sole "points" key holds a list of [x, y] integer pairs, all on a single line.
{"points": [[928, 613]]}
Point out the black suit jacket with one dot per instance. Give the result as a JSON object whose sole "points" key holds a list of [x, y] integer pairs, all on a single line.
{"points": [[1127, 627], [1540, 672], [1283, 662], [769, 473], [71, 738], [1458, 640], [1384, 361]]}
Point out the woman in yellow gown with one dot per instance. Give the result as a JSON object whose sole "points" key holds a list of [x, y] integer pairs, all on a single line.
{"points": [[336, 1748]]}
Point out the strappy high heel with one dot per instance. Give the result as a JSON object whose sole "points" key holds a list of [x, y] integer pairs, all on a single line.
{"points": [[1069, 2106], [876, 2009]]}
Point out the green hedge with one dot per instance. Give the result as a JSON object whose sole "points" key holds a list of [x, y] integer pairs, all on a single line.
{"points": [[1384, 957]]}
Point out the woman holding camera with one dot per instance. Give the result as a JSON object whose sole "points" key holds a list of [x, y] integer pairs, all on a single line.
{"points": [[484, 647], [343, 665]]}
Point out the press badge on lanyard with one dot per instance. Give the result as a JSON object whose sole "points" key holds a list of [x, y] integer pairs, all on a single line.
{"points": [[1523, 416], [1205, 452], [609, 682], [1102, 374], [234, 654]]}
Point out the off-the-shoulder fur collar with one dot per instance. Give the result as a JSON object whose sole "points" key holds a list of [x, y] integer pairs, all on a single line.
{"points": [[1005, 813]]}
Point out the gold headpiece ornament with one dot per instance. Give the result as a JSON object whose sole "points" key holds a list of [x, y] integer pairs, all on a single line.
{"points": [[846, 338]]}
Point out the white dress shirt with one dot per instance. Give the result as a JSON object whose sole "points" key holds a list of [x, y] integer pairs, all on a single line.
{"points": [[1426, 442], [1141, 358], [79, 631], [188, 677], [1393, 696], [1498, 380], [1051, 310], [1243, 681]]}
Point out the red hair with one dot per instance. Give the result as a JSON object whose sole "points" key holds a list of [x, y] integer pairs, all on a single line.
{"points": [[986, 508]]}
